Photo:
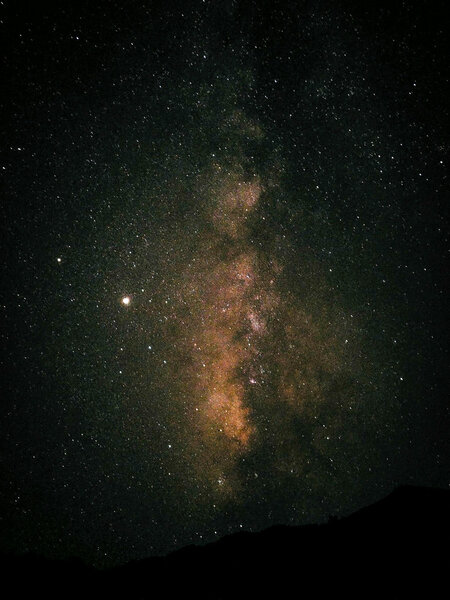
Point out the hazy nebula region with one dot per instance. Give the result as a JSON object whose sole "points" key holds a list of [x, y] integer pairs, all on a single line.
{"points": [[264, 380]]}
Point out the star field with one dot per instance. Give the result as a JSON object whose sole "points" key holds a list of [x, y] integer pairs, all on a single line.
{"points": [[225, 245]]}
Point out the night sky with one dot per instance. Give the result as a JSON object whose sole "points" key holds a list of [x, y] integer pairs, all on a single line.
{"points": [[224, 247]]}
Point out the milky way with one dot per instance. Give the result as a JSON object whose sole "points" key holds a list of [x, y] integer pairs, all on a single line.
{"points": [[247, 347], [262, 365]]}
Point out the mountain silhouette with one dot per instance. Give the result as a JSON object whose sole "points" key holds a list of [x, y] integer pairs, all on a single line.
{"points": [[392, 549]]}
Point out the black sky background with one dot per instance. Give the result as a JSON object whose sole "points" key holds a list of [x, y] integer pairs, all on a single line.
{"points": [[116, 116]]}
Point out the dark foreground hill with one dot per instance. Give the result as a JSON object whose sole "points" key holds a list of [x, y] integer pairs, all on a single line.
{"points": [[392, 549]]}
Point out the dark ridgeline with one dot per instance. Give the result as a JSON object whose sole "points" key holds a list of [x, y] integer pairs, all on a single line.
{"points": [[390, 549]]}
